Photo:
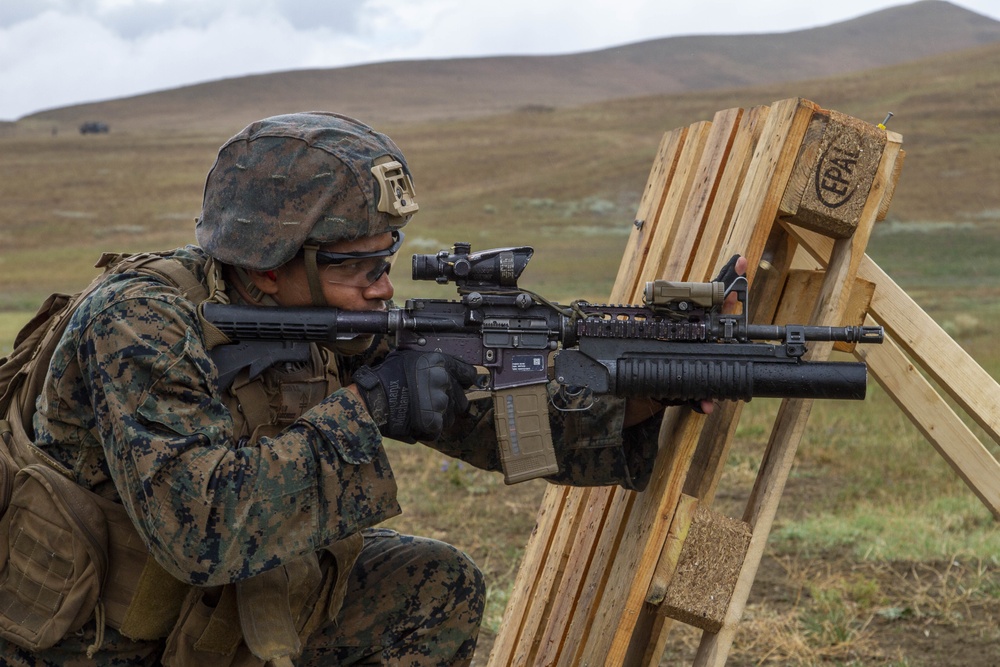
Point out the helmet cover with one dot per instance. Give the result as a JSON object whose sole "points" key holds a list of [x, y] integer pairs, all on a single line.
{"points": [[305, 177]]}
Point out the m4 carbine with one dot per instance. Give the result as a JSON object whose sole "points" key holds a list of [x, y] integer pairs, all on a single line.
{"points": [[679, 346]]}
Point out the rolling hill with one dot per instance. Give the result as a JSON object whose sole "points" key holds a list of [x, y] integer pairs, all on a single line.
{"points": [[567, 174], [394, 92]]}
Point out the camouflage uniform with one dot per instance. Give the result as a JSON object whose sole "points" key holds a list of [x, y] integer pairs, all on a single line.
{"points": [[133, 407]]}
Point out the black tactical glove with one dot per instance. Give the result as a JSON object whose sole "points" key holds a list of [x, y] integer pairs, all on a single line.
{"points": [[727, 274], [415, 395]]}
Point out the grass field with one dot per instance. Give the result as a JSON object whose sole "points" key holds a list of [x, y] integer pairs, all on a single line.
{"points": [[880, 554], [878, 545]]}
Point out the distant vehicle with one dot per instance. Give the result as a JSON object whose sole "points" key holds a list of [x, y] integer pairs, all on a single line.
{"points": [[93, 127]]}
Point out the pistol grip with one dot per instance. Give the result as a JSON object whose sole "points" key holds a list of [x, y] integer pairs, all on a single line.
{"points": [[522, 422]]}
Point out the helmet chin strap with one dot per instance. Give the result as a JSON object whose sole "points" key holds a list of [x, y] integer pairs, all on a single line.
{"points": [[255, 294], [349, 346], [312, 275]]}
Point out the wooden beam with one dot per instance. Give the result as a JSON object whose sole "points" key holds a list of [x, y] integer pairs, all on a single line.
{"points": [[949, 435], [951, 367]]}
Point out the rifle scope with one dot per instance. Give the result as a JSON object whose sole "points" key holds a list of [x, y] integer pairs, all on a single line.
{"points": [[498, 267]]}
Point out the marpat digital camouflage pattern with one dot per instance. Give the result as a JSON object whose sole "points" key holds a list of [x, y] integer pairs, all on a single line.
{"points": [[289, 178]]}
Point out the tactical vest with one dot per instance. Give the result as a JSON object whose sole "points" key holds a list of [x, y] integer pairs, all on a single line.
{"points": [[68, 555]]}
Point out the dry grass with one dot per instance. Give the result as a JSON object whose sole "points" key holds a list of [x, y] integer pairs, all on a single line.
{"points": [[841, 613], [835, 589]]}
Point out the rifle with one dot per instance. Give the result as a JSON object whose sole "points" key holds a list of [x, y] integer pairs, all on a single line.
{"points": [[678, 346]]}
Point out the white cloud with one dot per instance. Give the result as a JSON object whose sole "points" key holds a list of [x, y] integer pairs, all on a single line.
{"points": [[54, 59], [60, 52]]}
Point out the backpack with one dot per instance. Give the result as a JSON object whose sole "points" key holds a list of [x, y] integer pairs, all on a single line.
{"points": [[54, 534]]}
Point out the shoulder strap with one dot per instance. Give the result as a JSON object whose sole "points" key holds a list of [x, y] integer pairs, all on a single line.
{"points": [[164, 269], [23, 372]]}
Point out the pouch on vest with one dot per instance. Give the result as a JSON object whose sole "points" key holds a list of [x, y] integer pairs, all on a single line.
{"points": [[7, 471], [53, 558]]}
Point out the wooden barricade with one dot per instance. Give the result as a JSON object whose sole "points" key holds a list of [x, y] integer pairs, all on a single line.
{"points": [[607, 570]]}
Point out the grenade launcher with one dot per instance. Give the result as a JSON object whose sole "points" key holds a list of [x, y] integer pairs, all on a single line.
{"points": [[678, 346]]}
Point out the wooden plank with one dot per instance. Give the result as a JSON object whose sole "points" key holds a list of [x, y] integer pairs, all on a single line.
{"points": [[650, 210], [757, 205], [730, 185], [548, 580], [936, 420], [667, 563], [669, 231], [704, 187], [628, 578], [526, 584], [937, 352], [556, 635], [891, 190], [951, 367], [595, 583]]}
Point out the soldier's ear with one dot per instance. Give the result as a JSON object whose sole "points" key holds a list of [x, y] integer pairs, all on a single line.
{"points": [[265, 281]]}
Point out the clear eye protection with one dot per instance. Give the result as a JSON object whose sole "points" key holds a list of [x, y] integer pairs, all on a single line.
{"points": [[357, 269]]}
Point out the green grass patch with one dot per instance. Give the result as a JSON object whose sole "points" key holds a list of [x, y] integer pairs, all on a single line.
{"points": [[938, 529]]}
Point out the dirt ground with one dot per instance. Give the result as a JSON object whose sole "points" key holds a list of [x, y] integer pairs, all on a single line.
{"points": [[836, 609], [917, 616], [914, 624]]}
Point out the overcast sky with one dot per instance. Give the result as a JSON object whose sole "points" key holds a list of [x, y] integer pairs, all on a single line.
{"points": [[56, 53]]}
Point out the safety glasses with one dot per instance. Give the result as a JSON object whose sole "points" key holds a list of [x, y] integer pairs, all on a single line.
{"points": [[357, 269]]}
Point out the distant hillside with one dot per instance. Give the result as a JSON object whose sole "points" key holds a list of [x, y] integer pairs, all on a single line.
{"points": [[460, 88]]}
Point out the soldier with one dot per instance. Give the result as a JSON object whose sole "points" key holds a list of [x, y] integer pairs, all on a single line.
{"points": [[255, 506]]}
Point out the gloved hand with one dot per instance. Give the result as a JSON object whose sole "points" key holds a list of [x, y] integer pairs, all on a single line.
{"points": [[415, 395]]}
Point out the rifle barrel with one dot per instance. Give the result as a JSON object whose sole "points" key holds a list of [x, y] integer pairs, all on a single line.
{"points": [[850, 334]]}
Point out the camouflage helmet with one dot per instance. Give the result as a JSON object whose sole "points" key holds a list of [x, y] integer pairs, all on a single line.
{"points": [[289, 180]]}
